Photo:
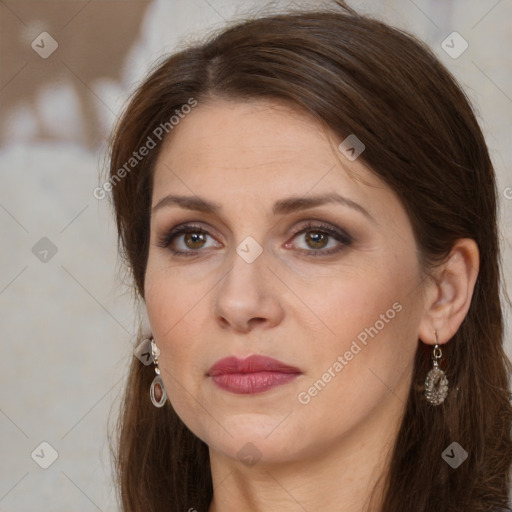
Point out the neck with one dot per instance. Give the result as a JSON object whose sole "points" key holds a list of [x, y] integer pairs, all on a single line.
{"points": [[347, 476]]}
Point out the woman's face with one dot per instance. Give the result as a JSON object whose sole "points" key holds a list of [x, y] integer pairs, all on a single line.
{"points": [[279, 268]]}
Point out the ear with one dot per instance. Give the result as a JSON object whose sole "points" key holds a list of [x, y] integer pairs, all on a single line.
{"points": [[448, 295]]}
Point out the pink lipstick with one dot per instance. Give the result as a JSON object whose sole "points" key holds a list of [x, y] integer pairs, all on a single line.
{"points": [[254, 374]]}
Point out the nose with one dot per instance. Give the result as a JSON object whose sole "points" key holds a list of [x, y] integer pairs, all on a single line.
{"points": [[248, 296]]}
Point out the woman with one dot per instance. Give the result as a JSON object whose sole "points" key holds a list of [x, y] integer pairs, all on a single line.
{"points": [[307, 207]]}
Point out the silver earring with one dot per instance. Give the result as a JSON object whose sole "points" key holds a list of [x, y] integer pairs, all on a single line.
{"points": [[157, 391], [436, 383]]}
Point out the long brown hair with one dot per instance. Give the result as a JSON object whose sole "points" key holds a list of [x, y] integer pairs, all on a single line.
{"points": [[356, 75]]}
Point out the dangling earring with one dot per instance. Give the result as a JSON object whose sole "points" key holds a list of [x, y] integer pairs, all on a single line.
{"points": [[157, 390], [436, 383]]}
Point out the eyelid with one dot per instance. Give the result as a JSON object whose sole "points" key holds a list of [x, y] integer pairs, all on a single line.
{"points": [[320, 225]]}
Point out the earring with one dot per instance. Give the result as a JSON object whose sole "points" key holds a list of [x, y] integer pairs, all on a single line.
{"points": [[436, 383], [157, 391]]}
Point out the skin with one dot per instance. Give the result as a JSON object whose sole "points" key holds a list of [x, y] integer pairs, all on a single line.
{"points": [[289, 304]]}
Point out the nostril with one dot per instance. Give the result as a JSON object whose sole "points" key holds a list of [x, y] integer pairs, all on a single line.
{"points": [[257, 321]]}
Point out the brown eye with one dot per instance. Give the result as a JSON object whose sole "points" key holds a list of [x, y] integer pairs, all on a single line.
{"points": [[194, 240], [187, 240], [316, 239], [321, 240]]}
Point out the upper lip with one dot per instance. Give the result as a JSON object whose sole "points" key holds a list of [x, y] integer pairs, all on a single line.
{"points": [[251, 364]]}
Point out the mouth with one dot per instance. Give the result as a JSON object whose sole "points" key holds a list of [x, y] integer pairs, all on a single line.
{"points": [[254, 374]]}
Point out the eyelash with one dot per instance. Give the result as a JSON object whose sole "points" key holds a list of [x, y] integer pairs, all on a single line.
{"points": [[346, 240]]}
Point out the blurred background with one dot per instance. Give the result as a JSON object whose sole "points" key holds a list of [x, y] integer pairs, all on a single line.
{"points": [[68, 323]]}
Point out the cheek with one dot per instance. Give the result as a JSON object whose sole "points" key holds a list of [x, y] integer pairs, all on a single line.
{"points": [[366, 367], [350, 301], [171, 296], [370, 320], [172, 318], [176, 308]]}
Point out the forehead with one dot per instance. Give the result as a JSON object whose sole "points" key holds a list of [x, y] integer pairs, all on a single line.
{"points": [[255, 144]]}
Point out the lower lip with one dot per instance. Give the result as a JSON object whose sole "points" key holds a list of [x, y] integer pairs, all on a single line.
{"points": [[250, 383]]}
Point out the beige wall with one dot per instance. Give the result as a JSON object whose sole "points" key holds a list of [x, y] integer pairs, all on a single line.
{"points": [[66, 325]]}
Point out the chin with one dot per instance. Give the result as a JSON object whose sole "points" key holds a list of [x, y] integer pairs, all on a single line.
{"points": [[264, 439]]}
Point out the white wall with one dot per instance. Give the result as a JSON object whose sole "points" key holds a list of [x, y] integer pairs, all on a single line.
{"points": [[66, 324]]}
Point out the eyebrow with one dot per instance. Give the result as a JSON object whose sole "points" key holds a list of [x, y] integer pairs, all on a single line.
{"points": [[281, 207]]}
